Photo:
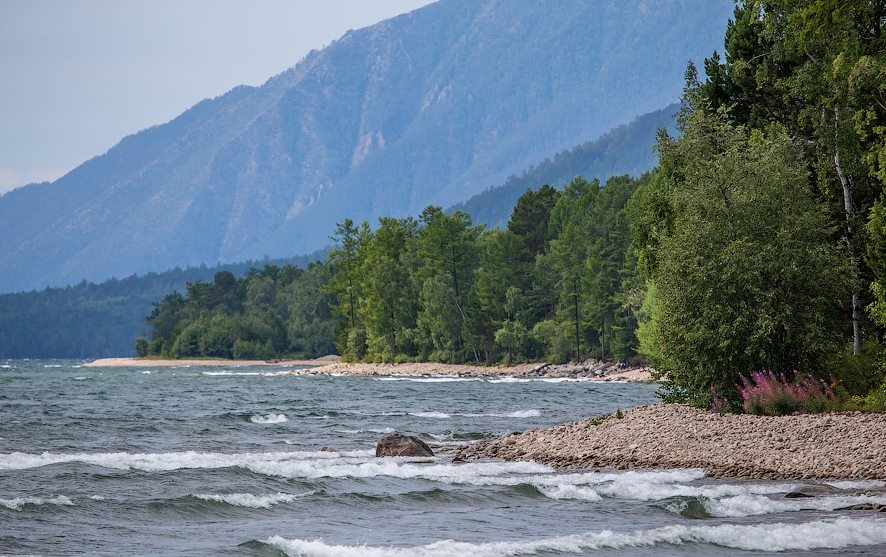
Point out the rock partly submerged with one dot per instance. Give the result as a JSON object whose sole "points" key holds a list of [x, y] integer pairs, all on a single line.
{"points": [[402, 445], [849, 445]]}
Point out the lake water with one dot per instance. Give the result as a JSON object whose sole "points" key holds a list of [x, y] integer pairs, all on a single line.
{"points": [[226, 461]]}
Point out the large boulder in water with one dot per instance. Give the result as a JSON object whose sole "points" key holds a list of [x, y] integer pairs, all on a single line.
{"points": [[402, 445]]}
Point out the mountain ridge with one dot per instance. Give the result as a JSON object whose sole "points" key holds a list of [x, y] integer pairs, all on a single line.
{"points": [[427, 107]]}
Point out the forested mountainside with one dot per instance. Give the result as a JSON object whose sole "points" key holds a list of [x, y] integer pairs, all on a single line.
{"points": [[433, 106], [95, 320], [628, 149]]}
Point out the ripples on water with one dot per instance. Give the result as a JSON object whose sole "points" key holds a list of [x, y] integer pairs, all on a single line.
{"points": [[226, 461]]}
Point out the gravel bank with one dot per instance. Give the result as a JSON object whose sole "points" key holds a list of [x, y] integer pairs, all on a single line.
{"points": [[332, 365], [602, 371], [849, 445]]}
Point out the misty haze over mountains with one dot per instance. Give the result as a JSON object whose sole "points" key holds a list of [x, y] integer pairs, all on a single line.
{"points": [[431, 107]]}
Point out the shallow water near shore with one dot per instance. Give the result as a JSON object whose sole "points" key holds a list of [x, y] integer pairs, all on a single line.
{"points": [[226, 461]]}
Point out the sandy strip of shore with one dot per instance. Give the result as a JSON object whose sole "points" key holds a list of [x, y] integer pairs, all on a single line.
{"points": [[156, 362], [332, 365], [849, 445]]}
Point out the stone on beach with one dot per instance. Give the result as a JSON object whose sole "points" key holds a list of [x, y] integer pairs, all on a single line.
{"points": [[402, 445]]}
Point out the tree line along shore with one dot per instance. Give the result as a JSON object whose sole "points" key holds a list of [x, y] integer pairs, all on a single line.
{"points": [[748, 269]]}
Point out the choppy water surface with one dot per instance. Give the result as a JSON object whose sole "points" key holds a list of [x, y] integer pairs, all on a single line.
{"points": [[226, 461]]}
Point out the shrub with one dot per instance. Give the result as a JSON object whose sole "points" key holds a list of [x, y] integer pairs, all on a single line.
{"points": [[141, 347], [874, 401], [770, 394], [251, 350]]}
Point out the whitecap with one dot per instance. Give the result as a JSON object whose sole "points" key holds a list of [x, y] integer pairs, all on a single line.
{"points": [[856, 484], [19, 503], [435, 415], [831, 534], [146, 372], [51, 365], [245, 373], [5, 366], [96, 497], [269, 419], [429, 379], [81, 378], [252, 501], [568, 491], [296, 464], [750, 505], [533, 413]]}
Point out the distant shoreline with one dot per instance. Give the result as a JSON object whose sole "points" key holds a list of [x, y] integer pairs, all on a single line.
{"points": [[160, 362], [332, 365]]}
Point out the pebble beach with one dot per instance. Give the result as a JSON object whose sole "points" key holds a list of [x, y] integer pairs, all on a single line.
{"points": [[849, 445]]}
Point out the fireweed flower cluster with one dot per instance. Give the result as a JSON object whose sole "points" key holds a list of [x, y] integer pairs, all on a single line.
{"points": [[771, 394]]}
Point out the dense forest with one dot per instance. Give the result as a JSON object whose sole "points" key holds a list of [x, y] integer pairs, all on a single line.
{"points": [[90, 320], [759, 243], [432, 288]]}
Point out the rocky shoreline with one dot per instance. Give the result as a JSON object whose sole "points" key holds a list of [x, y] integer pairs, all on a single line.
{"points": [[848, 445], [332, 365]]}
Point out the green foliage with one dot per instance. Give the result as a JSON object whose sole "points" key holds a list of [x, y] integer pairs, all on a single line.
{"points": [[443, 289], [101, 320], [736, 289], [141, 347], [818, 69], [271, 312], [874, 401]]}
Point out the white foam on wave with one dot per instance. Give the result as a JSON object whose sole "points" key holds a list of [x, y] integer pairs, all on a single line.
{"points": [[429, 379], [532, 413], [51, 365], [253, 501], [20, 503], [146, 372], [268, 419], [751, 505], [245, 373], [383, 430], [81, 378], [831, 534], [162, 462], [568, 491], [297, 464], [96, 497], [5, 366], [856, 484]]}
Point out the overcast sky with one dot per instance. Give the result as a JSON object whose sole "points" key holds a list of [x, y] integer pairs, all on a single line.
{"points": [[78, 76]]}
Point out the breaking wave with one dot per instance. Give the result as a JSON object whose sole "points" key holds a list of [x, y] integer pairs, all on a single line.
{"points": [[20, 503], [268, 419], [753, 505], [246, 373], [532, 413], [831, 534], [252, 501]]}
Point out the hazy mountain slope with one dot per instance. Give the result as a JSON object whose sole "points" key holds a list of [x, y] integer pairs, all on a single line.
{"points": [[97, 320], [429, 107], [627, 149]]}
